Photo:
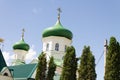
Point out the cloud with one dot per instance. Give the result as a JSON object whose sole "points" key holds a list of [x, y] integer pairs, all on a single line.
{"points": [[36, 10], [8, 57], [30, 55]]}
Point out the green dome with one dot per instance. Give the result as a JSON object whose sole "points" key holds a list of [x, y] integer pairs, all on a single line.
{"points": [[21, 45], [57, 30]]}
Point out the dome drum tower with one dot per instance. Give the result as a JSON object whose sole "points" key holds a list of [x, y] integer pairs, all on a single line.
{"points": [[55, 41], [20, 49]]}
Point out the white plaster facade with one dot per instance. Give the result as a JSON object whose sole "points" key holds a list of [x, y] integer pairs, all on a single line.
{"points": [[55, 46], [19, 55]]}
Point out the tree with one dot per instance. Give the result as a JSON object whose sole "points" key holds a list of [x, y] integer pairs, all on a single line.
{"points": [[51, 69], [69, 65], [87, 65], [41, 68], [112, 67]]}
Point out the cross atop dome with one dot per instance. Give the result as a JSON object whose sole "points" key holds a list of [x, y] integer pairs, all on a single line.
{"points": [[59, 11], [57, 30], [23, 30]]}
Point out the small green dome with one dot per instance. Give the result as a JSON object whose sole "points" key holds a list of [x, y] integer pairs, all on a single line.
{"points": [[21, 45], [57, 30]]}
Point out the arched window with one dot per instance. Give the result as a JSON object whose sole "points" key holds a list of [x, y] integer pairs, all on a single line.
{"points": [[5, 74], [57, 47], [47, 47], [65, 47]]}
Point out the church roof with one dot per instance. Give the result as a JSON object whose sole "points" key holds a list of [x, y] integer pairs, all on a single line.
{"points": [[2, 61], [23, 71]]}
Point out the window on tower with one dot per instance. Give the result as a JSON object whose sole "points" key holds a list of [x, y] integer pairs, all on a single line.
{"points": [[65, 47], [47, 47], [57, 47]]}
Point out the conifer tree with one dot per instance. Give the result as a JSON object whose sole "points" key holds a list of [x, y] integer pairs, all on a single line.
{"points": [[87, 65], [112, 68], [69, 65], [41, 68], [51, 69]]}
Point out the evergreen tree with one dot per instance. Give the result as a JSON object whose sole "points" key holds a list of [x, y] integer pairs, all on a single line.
{"points": [[69, 65], [51, 69], [112, 68], [91, 67], [41, 68], [87, 65]]}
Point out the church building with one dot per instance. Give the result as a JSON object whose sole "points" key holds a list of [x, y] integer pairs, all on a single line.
{"points": [[55, 40]]}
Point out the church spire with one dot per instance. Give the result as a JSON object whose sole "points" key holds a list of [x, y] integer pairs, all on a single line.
{"points": [[59, 11]]}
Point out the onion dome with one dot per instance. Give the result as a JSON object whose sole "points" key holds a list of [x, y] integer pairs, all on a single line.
{"points": [[57, 30], [21, 45]]}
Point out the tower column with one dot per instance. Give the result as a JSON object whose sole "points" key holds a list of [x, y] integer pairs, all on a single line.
{"points": [[20, 49], [55, 39]]}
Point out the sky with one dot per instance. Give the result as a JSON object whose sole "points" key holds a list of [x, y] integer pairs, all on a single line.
{"points": [[91, 22]]}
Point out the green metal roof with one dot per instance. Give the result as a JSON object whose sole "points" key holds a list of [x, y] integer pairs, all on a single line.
{"points": [[57, 30], [23, 71], [2, 61], [21, 45]]}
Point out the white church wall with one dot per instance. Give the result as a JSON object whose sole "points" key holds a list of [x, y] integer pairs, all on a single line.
{"points": [[50, 49], [52, 40], [20, 54]]}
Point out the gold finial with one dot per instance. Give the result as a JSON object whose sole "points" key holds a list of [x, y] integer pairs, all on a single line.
{"points": [[23, 30], [1, 40], [59, 11]]}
